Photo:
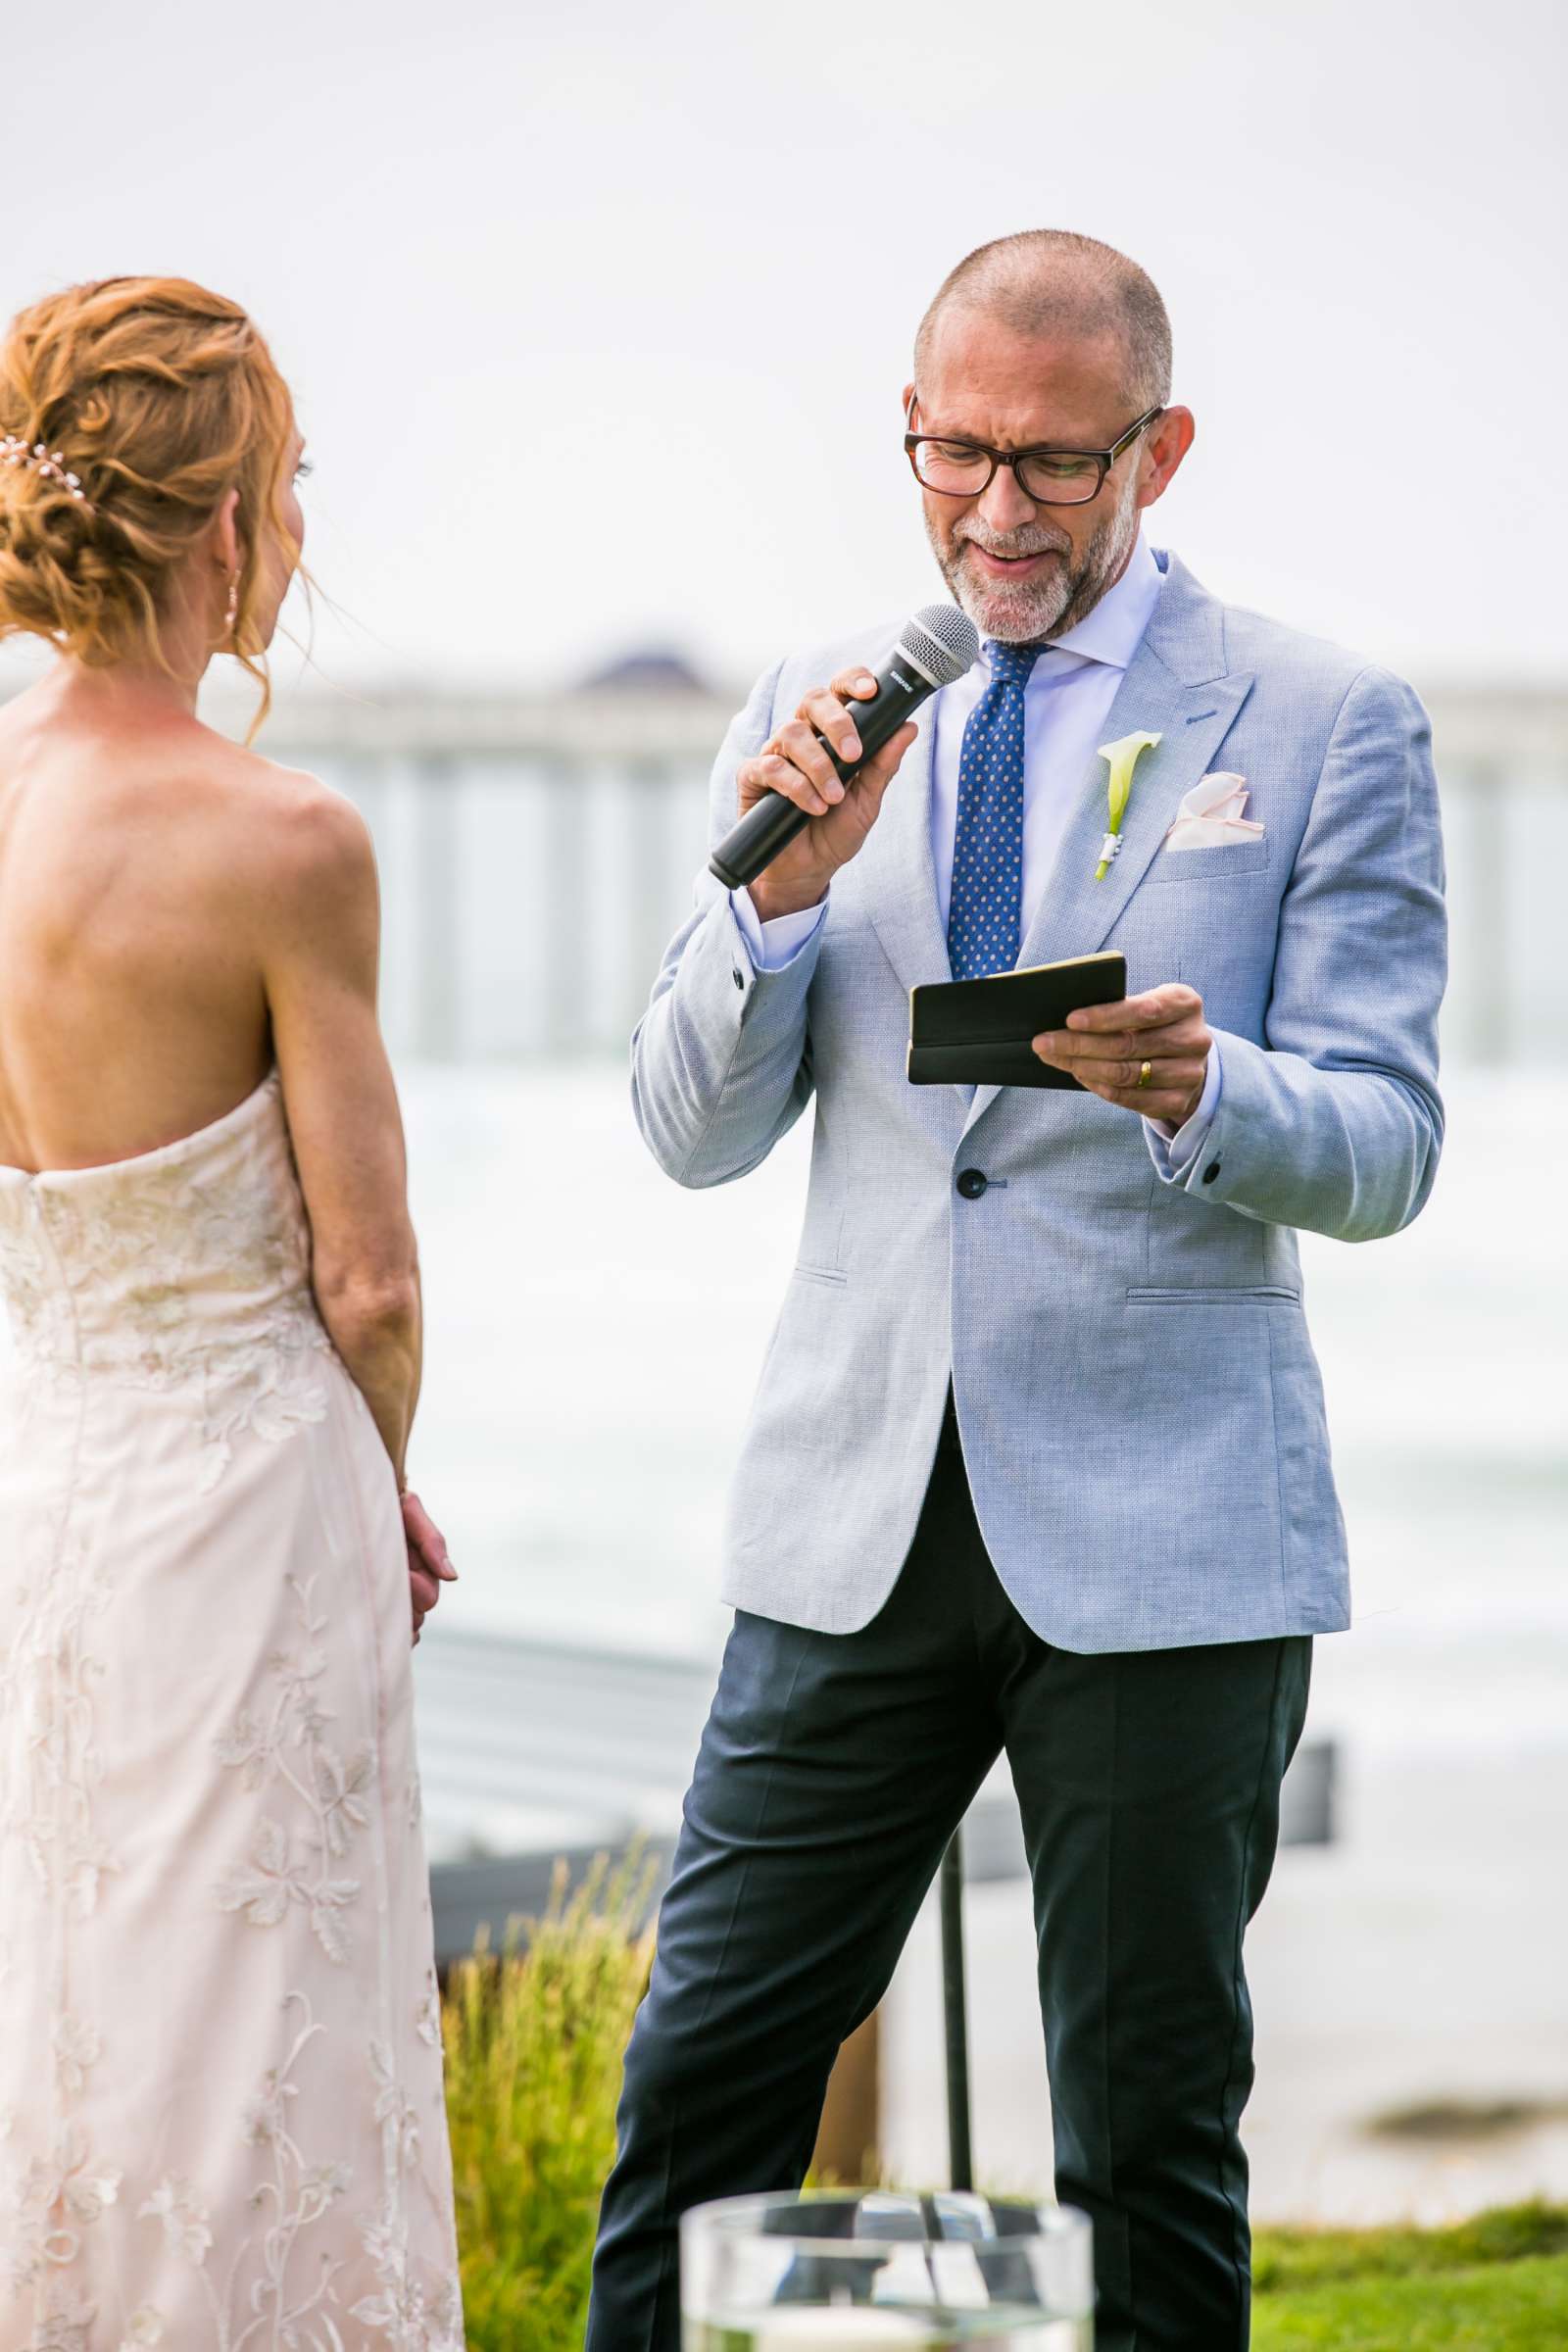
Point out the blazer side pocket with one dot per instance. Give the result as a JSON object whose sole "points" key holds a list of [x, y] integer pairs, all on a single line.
{"points": [[834, 1276], [1211, 1293]]}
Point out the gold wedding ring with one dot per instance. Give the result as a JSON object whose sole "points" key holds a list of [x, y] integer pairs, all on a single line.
{"points": [[1146, 1073]]}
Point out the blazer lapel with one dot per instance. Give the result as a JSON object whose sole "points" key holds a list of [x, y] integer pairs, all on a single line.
{"points": [[898, 879], [1176, 686]]}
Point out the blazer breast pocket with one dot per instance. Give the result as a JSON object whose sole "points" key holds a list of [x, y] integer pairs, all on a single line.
{"points": [[1231, 858]]}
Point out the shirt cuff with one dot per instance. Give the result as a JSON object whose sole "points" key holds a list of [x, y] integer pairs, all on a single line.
{"points": [[1175, 1148], [773, 946]]}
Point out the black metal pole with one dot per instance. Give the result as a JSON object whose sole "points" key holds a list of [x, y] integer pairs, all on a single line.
{"points": [[961, 2160]]}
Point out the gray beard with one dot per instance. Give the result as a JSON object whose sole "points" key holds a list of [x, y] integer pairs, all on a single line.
{"points": [[1038, 615]]}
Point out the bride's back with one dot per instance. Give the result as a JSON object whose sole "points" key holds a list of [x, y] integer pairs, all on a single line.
{"points": [[152, 520], [133, 901]]}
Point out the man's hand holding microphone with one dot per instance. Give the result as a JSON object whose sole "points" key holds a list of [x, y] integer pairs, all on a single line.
{"points": [[795, 765]]}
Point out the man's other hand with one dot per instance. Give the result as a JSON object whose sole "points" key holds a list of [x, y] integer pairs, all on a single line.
{"points": [[1105, 1047]]}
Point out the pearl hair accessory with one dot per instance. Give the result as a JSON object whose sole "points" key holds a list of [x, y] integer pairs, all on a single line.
{"points": [[49, 465]]}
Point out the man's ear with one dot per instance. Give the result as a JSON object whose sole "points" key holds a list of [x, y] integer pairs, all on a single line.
{"points": [[1164, 446], [909, 404]]}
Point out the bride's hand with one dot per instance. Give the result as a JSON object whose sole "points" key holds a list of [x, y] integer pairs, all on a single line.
{"points": [[429, 1563]]}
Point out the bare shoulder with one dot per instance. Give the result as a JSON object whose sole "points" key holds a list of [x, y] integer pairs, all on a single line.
{"points": [[312, 854], [314, 828]]}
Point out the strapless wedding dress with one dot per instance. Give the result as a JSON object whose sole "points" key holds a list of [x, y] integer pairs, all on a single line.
{"points": [[222, 2125]]}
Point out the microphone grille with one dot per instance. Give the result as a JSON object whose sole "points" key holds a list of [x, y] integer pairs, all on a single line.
{"points": [[943, 640]]}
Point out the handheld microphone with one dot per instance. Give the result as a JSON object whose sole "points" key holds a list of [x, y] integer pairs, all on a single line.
{"points": [[938, 644]]}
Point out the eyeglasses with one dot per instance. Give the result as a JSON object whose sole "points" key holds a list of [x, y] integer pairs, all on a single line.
{"points": [[1049, 476]]}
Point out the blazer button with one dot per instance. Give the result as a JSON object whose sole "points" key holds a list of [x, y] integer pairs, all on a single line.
{"points": [[738, 978], [971, 1183], [1211, 1172]]}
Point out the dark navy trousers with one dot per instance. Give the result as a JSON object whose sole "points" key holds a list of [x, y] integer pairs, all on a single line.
{"points": [[833, 1771]]}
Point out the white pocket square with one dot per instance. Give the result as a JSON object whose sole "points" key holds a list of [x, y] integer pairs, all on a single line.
{"points": [[1210, 816]]}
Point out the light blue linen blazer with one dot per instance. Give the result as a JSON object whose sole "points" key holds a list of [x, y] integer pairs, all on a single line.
{"points": [[1140, 1403]]}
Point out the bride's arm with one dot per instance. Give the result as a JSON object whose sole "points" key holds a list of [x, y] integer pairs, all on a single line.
{"points": [[320, 956]]}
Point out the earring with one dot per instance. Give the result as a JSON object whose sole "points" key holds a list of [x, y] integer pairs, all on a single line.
{"points": [[232, 615]]}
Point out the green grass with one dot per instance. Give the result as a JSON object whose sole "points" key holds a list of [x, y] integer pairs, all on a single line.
{"points": [[534, 2041], [1304, 2258], [1497, 2283], [1514, 2307]]}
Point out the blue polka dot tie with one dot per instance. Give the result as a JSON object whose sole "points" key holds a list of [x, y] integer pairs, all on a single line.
{"points": [[983, 918]]}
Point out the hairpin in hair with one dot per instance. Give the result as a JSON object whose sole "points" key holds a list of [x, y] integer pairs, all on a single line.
{"points": [[48, 462]]}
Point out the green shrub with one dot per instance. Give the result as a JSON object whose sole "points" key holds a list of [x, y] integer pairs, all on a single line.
{"points": [[534, 2042]]}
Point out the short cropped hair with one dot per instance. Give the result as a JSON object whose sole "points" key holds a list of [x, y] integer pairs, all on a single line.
{"points": [[1049, 281]]}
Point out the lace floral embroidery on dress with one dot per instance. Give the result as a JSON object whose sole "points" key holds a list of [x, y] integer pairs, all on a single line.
{"points": [[402, 2310], [46, 1689], [41, 1320], [331, 1792], [427, 2017], [46, 1692], [295, 2196], [100, 1277], [61, 2195]]}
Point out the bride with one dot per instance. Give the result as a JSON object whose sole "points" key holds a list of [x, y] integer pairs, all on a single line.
{"points": [[220, 2079]]}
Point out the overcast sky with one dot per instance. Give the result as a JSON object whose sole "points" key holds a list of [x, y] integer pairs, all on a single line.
{"points": [[598, 317]]}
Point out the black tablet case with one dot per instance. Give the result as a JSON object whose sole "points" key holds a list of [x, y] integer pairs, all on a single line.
{"points": [[977, 1032]]}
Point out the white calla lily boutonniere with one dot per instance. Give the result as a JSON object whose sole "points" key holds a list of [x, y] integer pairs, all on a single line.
{"points": [[1122, 758]]}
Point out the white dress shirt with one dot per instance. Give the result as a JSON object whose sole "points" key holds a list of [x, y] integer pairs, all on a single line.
{"points": [[1066, 703]]}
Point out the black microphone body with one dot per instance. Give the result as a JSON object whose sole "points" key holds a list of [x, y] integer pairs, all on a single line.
{"points": [[902, 683]]}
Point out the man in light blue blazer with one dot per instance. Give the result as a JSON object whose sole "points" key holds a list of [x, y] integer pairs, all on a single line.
{"points": [[1038, 1461]]}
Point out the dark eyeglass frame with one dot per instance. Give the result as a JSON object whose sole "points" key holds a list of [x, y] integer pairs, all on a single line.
{"points": [[1103, 459]]}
